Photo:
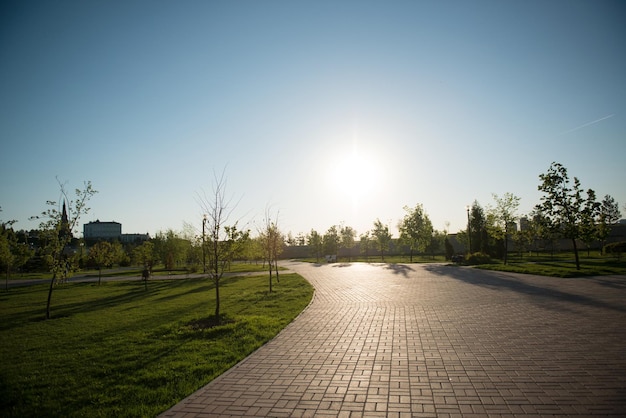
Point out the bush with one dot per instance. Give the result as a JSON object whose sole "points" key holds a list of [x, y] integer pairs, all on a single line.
{"points": [[478, 258], [616, 248]]}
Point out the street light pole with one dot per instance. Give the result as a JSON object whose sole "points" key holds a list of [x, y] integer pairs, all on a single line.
{"points": [[469, 230], [203, 246]]}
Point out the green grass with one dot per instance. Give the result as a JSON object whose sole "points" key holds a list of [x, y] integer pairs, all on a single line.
{"points": [[119, 350], [560, 265], [237, 267]]}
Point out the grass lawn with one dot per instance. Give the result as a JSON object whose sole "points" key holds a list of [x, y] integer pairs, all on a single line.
{"points": [[119, 350], [562, 268]]}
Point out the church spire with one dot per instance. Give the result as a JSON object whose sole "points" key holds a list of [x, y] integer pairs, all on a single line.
{"points": [[64, 230]]}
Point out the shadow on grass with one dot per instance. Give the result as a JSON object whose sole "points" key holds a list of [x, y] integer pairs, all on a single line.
{"points": [[501, 281]]}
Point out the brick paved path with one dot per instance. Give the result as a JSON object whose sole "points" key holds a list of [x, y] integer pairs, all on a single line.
{"points": [[434, 340]]}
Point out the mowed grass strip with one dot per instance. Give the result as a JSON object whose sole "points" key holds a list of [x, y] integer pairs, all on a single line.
{"points": [[119, 350]]}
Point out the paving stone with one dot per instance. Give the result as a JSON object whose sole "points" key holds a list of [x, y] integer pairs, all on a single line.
{"points": [[434, 340]]}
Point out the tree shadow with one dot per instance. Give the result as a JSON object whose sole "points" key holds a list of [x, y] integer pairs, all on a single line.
{"points": [[402, 269], [501, 281], [342, 264]]}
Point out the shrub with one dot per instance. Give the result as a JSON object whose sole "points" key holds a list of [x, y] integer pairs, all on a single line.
{"points": [[478, 258]]}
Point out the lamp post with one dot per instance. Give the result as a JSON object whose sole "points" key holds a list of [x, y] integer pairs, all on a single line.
{"points": [[203, 246], [469, 230]]}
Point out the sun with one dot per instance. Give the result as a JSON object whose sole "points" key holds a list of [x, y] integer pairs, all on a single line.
{"points": [[353, 175]]}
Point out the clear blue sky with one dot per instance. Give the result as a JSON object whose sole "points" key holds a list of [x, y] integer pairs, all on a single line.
{"points": [[431, 102]]}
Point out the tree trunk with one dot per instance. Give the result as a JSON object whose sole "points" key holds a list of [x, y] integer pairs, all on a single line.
{"points": [[576, 254], [217, 301], [506, 247], [270, 264], [54, 276]]}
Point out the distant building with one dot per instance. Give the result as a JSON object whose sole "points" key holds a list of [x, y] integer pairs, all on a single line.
{"points": [[97, 230], [109, 231], [130, 238]]}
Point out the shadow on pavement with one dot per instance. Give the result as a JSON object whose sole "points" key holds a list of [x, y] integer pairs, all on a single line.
{"points": [[501, 281], [402, 269]]}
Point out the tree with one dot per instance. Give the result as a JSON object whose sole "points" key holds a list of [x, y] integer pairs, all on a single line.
{"points": [[416, 230], [437, 241], [331, 241], [564, 206], [223, 241], [365, 243], [56, 230], [171, 248], [6, 257], [504, 215], [609, 215], [478, 236], [102, 255], [347, 234], [448, 247], [272, 242], [316, 244], [382, 237]]}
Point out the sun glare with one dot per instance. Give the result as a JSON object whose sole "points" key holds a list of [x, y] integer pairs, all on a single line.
{"points": [[354, 175]]}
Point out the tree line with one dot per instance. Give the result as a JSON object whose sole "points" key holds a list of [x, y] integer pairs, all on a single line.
{"points": [[565, 211]]}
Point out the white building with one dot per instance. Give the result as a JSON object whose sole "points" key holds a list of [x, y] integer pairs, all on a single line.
{"points": [[102, 230]]}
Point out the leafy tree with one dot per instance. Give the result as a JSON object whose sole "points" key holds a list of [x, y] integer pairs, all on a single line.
{"points": [[12, 253], [448, 247], [564, 206], [102, 255], [382, 237], [171, 249], [504, 215], [144, 255], [437, 242], [523, 238], [6, 257], [331, 241], [609, 215], [479, 236], [365, 242], [347, 234], [316, 244], [416, 230], [56, 229]]}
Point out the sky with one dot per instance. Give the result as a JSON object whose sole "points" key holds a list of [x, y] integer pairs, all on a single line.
{"points": [[318, 113]]}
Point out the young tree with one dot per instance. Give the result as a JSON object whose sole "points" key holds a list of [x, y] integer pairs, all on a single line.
{"points": [[382, 236], [437, 242], [56, 229], [504, 215], [331, 241], [272, 241], [564, 206], [608, 217], [223, 241], [347, 234], [365, 243], [316, 244], [478, 236], [102, 255], [416, 230]]}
